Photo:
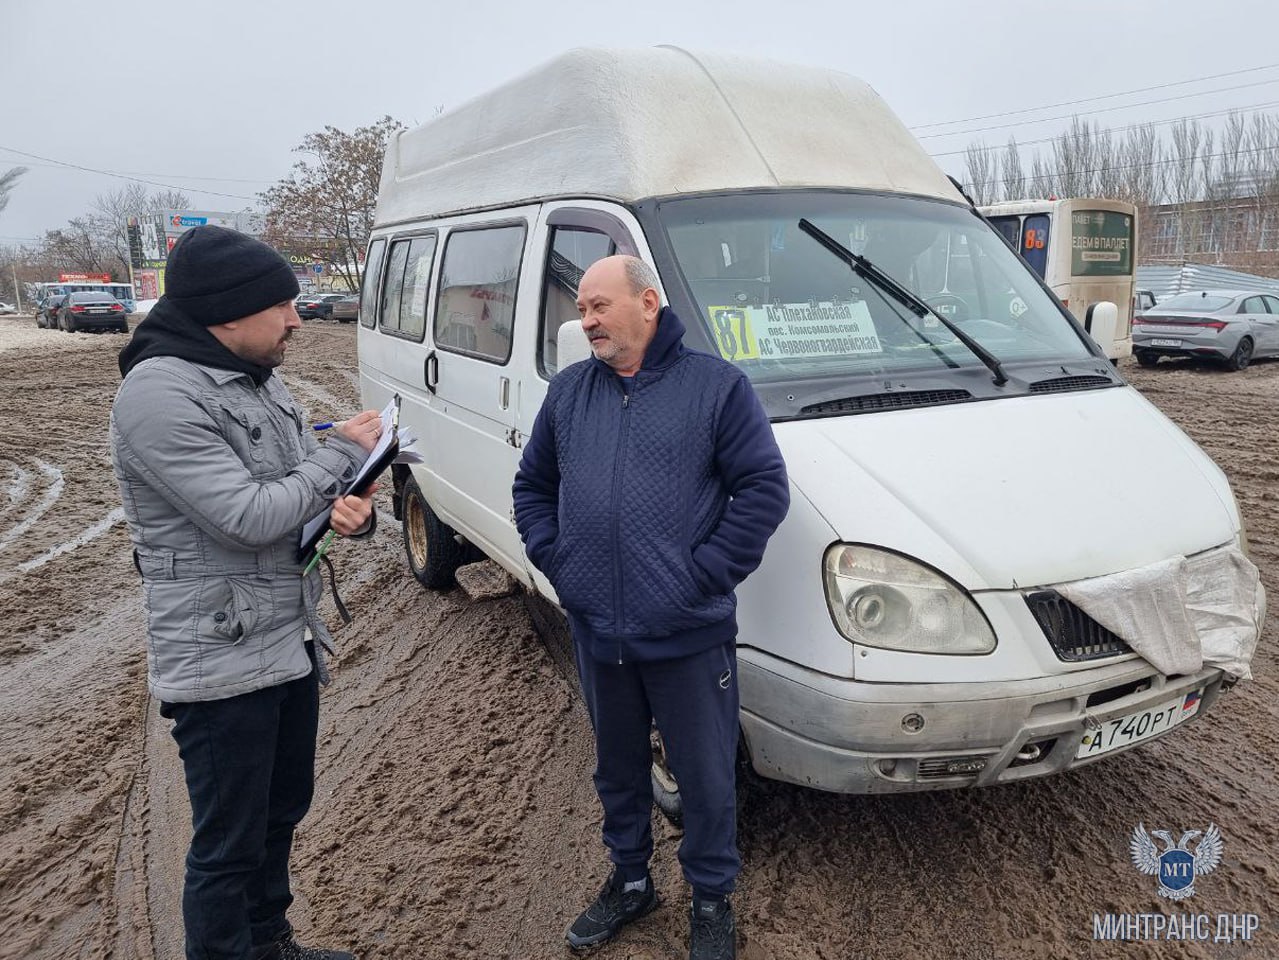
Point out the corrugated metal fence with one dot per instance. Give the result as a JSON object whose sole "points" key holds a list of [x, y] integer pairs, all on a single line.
{"points": [[1164, 281]]}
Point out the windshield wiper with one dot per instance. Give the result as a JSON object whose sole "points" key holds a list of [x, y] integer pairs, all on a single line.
{"points": [[864, 268]]}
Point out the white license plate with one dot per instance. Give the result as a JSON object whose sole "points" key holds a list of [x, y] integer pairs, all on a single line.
{"points": [[1136, 727], [1165, 343]]}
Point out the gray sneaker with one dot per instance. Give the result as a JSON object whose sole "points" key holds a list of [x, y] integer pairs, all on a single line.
{"points": [[712, 931], [613, 909]]}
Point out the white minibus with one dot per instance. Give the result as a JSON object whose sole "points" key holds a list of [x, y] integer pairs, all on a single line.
{"points": [[950, 602]]}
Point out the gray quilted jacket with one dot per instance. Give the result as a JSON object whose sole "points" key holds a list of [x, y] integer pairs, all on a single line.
{"points": [[218, 476]]}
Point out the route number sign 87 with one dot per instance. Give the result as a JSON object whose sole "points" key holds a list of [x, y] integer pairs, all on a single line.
{"points": [[731, 329]]}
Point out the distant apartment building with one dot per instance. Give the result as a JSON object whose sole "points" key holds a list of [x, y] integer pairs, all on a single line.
{"points": [[1240, 232]]}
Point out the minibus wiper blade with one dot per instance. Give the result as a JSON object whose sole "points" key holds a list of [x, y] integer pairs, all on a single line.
{"points": [[864, 268]]}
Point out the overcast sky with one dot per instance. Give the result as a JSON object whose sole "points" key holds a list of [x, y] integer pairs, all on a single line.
{"points": [[210, 96]]}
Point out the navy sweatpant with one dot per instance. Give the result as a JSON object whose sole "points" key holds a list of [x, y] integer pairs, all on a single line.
{"points": [[694, 701]]}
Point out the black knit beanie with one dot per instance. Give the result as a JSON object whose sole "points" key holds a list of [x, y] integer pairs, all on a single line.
{"points": [[217, 275]]}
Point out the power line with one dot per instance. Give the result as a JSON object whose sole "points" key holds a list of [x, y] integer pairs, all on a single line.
{"points": [[1083, 113], [1133, 126], [136, 173], [1108, 96], [121, 176]]}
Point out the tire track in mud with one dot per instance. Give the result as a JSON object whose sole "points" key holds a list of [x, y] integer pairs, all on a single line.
{"points": [[454, 812]]}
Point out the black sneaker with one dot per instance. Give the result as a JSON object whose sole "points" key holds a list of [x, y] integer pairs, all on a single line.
{"points": [[613, 909], [290, 949], [712, 932]]}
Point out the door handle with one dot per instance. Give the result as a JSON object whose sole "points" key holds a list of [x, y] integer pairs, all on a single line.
{"points": [[431, 371], [503, 392]]}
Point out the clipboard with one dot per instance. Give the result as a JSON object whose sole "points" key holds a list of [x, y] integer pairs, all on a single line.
{"points": [[379, 458]]}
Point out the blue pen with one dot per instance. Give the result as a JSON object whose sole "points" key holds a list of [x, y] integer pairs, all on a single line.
{"points": [[322, 426]]}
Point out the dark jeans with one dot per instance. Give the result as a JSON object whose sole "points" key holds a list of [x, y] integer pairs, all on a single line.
{"points": [[250, 771], [694, 701]]}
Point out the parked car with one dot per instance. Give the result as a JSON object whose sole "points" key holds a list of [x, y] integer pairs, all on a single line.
{"points": [[92, 309], [347, 309], [1142, 301], [47, 311], [7, 308], [318, 306], [1232, 326]]}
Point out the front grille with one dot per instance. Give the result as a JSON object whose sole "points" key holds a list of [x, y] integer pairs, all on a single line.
{"points": [[1063, 384], [1073, 635], [889, 401]]}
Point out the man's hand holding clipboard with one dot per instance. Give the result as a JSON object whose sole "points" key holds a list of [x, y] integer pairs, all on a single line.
{"points": [[378, 434]]}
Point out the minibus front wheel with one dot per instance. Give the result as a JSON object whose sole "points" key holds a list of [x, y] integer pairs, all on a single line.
{"points": [[666, 793], [430, 545]]}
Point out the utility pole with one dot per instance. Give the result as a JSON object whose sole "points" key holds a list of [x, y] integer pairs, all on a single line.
{"points": [[17, 291]]}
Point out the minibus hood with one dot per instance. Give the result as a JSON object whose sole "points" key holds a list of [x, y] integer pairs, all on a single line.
{"points": [[1015, 492]]}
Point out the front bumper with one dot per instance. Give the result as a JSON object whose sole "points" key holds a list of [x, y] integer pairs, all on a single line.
{"points": [[849, 737]]}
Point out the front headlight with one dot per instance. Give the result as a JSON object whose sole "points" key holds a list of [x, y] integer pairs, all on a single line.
{"points": [[881, 599]]}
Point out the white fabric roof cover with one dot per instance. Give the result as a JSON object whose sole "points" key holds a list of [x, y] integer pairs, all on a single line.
{"points": [[1183, 612], [630, 124]]}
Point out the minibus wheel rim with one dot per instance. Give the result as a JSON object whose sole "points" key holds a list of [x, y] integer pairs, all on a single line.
{"points": [[416, 529]]}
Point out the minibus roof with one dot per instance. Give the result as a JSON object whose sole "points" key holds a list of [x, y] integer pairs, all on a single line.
{"points": [[629, 124]]}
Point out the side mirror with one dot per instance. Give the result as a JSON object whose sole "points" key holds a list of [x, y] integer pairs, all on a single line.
{"points": [[1102, 324], [571, 344]]}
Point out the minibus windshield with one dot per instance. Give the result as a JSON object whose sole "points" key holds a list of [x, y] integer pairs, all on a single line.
{"points": [[781, 307]]}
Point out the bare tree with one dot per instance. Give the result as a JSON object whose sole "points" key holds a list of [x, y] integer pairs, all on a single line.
{"points": [[1014, 177], [324, 208], [98, 241], [1043, 181], [8, 180], [983, 173], [1076, 157]]}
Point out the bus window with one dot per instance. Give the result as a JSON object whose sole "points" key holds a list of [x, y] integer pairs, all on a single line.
{"points": [[1034, 242], [1010, 228]]}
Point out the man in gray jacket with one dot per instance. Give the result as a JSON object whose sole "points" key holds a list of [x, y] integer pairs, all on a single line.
{"points": [[219, 470]]}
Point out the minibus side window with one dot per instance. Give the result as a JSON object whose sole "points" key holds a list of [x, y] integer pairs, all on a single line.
{"points": [[368, 292], [475, 310], [572, 250], [389, 315], [417, 280]]}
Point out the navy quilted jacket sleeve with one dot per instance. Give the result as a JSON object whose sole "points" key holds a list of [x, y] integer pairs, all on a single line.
{"points": [[536, 491], [754, 474]]}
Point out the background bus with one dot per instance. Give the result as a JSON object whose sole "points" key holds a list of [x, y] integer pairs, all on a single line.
{"points": [[121, 291], [1083, 248]]}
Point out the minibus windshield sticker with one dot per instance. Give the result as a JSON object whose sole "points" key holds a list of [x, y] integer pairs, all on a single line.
{"points": [[794, 330]]}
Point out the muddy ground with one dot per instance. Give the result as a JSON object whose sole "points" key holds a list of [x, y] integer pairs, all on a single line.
{"points": [[454, 813]]}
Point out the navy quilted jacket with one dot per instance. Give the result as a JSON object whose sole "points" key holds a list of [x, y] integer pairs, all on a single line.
{"points": [[646, 504]]}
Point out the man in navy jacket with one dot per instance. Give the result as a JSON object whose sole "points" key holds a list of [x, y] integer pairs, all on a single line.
{"points": [[647, 492]]}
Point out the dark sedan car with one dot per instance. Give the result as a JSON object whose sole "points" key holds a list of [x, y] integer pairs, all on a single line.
{"points": [[47, 311], [318, 306], [346, 310], [92, 310], [1232, 326]]}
